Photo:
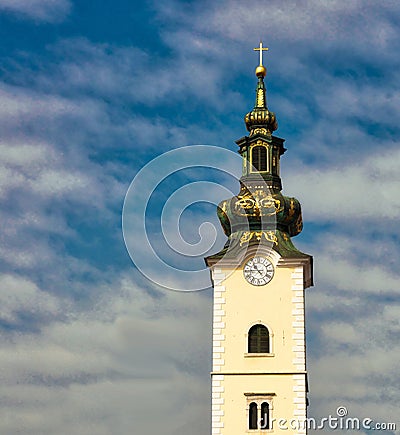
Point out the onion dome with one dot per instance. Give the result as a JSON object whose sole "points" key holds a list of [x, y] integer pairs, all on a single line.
{"points": [[257, 215], [255, 208]]}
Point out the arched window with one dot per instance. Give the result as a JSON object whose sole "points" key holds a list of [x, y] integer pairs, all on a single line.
{"points": [[259, 158], [258, 339], [264, 421], [260, 411], [253, 415]]}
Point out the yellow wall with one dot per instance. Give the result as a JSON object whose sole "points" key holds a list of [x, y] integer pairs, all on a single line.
{"points": [[280, 377], [236, 403], [271, 305]]}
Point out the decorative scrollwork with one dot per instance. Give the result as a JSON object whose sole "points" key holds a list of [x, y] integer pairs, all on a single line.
{"points": [[257, 203], [258, 131], [269, 236], [246, 237]]}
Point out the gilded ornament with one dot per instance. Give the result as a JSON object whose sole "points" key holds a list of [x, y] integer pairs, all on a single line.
{"points": [[291, 208], [260, 98], [246, 237], [269, 236], [299, 224], [258, 131], [257, 203], [261, 71]]}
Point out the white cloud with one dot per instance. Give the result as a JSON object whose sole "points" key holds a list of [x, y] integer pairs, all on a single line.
{"points": [[15, 154], [358, 364], [129, 74], [120, 361], [20, 161], [34, 182], [366, 189], [368, 279], [39, 10], [58, 182], [311, 21], [19, 295]]}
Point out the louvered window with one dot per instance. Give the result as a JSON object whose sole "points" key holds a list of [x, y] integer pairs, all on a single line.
{"points": [[259, 158], [258, 339]]}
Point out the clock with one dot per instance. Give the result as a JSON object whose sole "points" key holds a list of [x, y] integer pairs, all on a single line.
{"points": [[258, 270]]}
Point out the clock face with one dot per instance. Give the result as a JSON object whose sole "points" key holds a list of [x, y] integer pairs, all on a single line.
{"points": [[258, 271]]}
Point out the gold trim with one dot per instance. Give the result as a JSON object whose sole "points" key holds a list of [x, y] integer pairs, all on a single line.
{"points": [[269, 236], [258, 130], [259, 143], [257, 203]]}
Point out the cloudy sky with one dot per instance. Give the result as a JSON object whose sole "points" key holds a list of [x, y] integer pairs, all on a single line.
{"points": [[90, 92]]}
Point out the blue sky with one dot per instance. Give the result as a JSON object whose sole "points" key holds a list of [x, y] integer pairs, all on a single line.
{"points": [[92, 91]]}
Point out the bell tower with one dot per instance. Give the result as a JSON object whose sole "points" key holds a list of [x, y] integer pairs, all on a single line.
{"points": [[259, 376]]}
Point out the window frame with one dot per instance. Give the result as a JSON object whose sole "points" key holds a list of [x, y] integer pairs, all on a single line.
{"points": [[259, 399], [267, 158], [270, 342]]}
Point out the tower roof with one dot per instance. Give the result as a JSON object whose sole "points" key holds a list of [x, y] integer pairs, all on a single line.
{"points": [[260, 117], [260, 215]]}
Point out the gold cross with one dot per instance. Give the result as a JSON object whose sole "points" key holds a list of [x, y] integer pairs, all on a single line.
{"points": [[261, 49]]}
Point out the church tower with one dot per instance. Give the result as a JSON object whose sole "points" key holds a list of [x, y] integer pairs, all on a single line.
{"points": [[259, 376]]}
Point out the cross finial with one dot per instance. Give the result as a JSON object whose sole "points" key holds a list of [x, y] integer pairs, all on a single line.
{"points": [[261, 49]]}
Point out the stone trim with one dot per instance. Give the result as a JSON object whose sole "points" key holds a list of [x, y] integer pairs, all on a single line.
{"points": [[217, 402], [299, 348], [218, 353], [299, 401], [298, 324]]}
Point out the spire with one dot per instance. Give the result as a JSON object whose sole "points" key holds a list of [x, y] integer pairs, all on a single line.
{"points": [[260, 214], [260, 119]]}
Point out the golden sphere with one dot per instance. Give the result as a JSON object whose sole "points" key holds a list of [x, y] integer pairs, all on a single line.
{"points": [[261, 71]]}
